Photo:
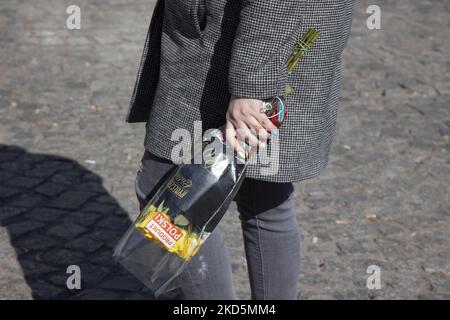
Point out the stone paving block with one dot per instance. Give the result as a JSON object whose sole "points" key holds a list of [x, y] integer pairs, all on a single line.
{"points": [[40, 172], [98, 294], [33, 268], [44, 290], [98, 208], [104, 234], [89, 186], [46, 214], [23, 182], [63, 257], [66, 231], [5, 175], [36, 242], [20, 228], [86, 219], [113, 222], [68, 178], [14, 166], [8, 212], [8, 156], [84, 244], [6, 192], [26, 200], [51, 189], [127, 283], [71, 200]]}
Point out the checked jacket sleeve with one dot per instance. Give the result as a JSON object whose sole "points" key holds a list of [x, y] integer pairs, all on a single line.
{"points": [[264, 39]]}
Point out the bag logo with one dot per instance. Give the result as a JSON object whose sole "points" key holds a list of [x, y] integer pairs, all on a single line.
{"points": [[179, 186]]}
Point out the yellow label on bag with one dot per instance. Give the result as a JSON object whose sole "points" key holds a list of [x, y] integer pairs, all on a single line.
{"points": [[157, 226], [164, 230]]}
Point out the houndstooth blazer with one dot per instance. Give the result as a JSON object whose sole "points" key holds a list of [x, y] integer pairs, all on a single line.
{"points": [[200, 52]]}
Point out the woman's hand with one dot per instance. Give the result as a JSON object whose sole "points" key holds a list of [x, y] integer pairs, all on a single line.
{"points": [[246, 121]]}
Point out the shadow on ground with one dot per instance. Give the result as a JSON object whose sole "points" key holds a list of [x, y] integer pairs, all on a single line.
{"points": [[57, 214]]}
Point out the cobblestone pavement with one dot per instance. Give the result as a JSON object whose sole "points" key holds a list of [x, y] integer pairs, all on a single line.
{"points": [[68, 160]]}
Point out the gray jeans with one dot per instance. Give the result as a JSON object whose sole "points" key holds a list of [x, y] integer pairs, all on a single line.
{"points": [[270, 232]]}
